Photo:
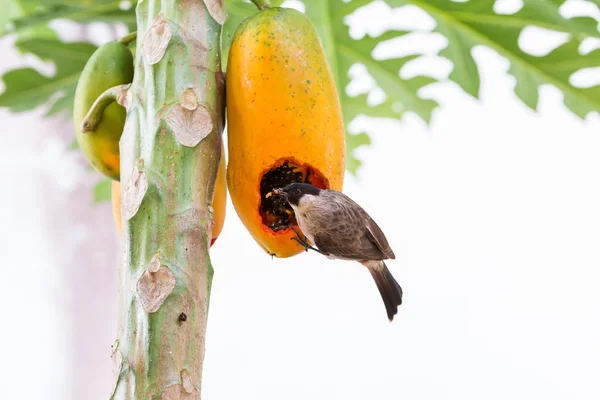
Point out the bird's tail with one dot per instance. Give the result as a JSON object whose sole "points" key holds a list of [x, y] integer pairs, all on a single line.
{"points": [[390, 290]]}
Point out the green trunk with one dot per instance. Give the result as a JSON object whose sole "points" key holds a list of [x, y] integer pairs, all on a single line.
{"points": [[170, 152]]}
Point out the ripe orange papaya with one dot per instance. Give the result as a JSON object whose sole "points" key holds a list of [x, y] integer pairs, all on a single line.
{"points": [[219, 201], [110, 65], [284, 121]]}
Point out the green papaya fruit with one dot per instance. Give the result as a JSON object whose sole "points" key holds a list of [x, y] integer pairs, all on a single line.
{"points": [[110, 65]]}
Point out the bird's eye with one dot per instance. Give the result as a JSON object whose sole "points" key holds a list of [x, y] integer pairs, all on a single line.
{"points": [[297, 191]]}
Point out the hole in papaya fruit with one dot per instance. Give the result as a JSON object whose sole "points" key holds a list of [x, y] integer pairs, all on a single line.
{"points": [[276, 213]]}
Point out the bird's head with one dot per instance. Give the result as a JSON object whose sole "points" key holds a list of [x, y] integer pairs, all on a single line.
{"points": [[295, 191]]}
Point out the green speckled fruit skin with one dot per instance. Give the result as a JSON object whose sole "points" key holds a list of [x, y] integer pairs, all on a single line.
{"points": [[110, 65]]}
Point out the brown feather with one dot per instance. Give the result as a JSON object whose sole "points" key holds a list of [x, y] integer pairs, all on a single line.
{"points": [[342, 229], [389, 289], [375, 233]]}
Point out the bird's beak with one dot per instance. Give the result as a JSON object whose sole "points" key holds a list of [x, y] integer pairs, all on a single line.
{"points": [[278, 192]]}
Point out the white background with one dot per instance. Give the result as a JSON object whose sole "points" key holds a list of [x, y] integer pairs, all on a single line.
{"points": [[493, 212]]}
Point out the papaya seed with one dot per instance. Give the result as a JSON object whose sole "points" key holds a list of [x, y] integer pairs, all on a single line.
{"points": [[275, 211]]}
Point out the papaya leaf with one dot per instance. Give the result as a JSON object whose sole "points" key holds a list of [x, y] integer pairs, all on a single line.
{"points": [[10, 10], [236, 13], [354, 141], [14, 10], [63, 103], [355, 106], [34, 32], [110, 16], [343, 52], [79, 3], [41, 16], [102, 190], [98, 11], [73, 54], [26, 88], [474, 22]]}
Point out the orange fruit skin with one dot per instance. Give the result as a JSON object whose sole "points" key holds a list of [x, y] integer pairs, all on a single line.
{"points": [[219, 201], [282, 104], [116, 205]]}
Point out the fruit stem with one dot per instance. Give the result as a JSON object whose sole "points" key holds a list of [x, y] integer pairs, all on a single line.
{"points": [[262, 4], [127, 39], [94, 116]]}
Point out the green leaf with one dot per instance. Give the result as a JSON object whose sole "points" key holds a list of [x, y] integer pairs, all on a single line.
{"points": [[109, 16], [73, 55], [63, 104], [471, 23], [41, 16], [10, 10], [78, 3], [35, 33], [355, 106], [100, 11], [402, 95], [26, 88], [236, 13], [102, 190], [354, 141]]}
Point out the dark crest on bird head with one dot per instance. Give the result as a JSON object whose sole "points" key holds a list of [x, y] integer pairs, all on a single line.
{"points": [[294, 192]]}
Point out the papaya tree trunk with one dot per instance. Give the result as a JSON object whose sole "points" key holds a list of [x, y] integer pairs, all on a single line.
{"points": [[170, 151]]}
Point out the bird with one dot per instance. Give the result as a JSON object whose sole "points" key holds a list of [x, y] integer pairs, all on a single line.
{"points": [[342, 229]]}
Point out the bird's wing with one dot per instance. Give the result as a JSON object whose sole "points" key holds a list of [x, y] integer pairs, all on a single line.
{"points": [[375, 234], [350, 232], [350, 247], [336, 248]]}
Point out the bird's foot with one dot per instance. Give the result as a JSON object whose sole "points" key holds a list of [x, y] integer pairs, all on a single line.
{"points": [[303, 242]]}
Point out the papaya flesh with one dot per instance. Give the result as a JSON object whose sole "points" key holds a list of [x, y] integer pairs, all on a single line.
{"points": [[219, 201], [110, 65], [284, 121]]}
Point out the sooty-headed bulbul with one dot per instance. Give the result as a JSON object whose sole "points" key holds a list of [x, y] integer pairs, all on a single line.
{"points": [[341, 229]]}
